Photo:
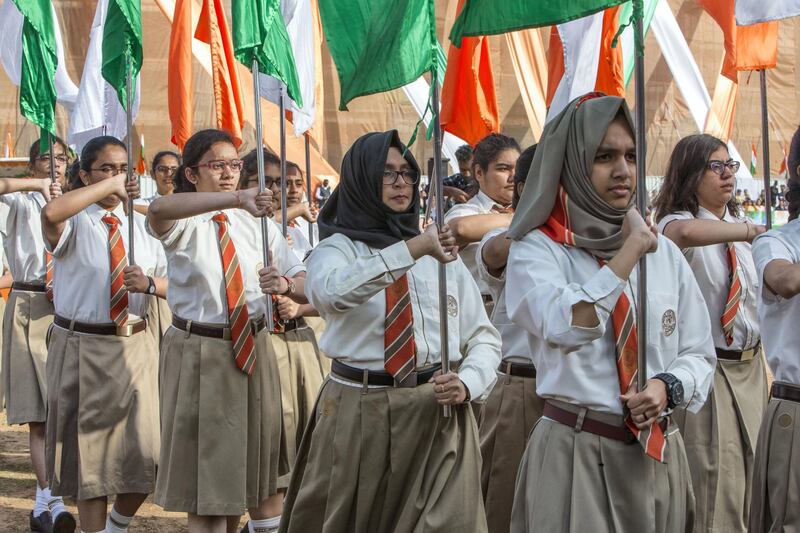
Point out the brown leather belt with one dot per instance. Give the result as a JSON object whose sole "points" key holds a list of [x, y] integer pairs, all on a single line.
{"points": [[521, 370], [29, 287], [733, 355], [588, 424], [216, 332], [293, 324], [786, 391], [101, 329], [381, 378]]}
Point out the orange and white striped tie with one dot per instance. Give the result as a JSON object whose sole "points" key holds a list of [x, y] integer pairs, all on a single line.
{"points": [[118, 260], [244, 348], [400, 349], [48, 275], [734, 295]]}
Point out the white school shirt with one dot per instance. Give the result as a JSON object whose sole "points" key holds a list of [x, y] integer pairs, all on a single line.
{"points": [[710, 267], [480, 204], [346, 281], [196, 280], [24, 243], [515, 339], [779, 316], [578, 365], [81, 271], [300, 245], [147, 201]]}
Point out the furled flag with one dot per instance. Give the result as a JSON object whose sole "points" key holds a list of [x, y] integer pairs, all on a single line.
{"points": [[141, 165], [469, 102], [378, 45], [753, 159], [122, 45], [32, 55], [754, 11], [490, 17], [180, 96], [98, 110], [259, 33], [300, 29]]}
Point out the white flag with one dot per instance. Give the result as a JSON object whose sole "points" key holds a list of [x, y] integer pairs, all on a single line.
{"points": [[754, 11], [98, 111], [11, 21], [299, 26]]}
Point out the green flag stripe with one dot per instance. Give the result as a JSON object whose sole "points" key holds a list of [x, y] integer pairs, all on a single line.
{"points": [[122, 41], [625, 17]]}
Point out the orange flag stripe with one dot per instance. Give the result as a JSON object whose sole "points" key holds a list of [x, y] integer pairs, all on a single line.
{"points": [[179, 77]]}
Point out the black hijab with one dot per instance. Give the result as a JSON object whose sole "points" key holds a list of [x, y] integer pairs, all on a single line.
{"points": [[356, 207]]}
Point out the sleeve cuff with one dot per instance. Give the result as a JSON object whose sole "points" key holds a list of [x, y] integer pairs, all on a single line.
{"points": [[397, 257], [687, 380], [169, 237], [603, 288], [474, 384]]}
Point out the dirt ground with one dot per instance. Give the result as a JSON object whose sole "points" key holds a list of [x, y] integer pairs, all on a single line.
{"points": [[18, 488]]}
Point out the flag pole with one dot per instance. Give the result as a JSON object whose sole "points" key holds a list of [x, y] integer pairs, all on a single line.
{"points": [[261, 184], [437, 171], [641, 190], [308, 188], [52, 157], [765, 149], [129, 147], [282, 122]]}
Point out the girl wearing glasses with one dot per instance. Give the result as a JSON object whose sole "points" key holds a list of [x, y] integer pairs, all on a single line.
{"points": [[220, 394], [696, 209]]}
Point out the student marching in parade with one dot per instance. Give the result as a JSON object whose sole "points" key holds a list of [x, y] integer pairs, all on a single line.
{"points": [[220, 394], [164, 166], [28, 315], [493, 161], [695, 208], [776, 476], [572, 282], [102, 367], [378, 455], [512, 407]]}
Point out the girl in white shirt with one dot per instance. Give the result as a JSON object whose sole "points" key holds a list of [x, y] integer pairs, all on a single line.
{"points": [[220, 394], [695, 208], [378, 455]]}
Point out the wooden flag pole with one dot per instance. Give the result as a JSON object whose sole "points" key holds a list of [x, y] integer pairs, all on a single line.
{"points": [[261, 184], [308, 188], [765, 148], [282, 122], [641, 190], [129, 148]]}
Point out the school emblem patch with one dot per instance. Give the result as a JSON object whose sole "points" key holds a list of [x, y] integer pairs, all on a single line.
{"points": [[668, 322], [452, 306]]}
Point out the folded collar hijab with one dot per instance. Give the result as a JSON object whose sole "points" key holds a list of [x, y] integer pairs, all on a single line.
{"points": [[356, 207], [559, 197]]}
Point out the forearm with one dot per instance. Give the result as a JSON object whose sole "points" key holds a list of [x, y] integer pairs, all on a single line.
{"points": [[627, 258], [140, 208], [495, 254], [164, 211], [690, 233], [782, 278], [299, 293], [10, 185], [472, 228], [162, 284], [307, 310]]}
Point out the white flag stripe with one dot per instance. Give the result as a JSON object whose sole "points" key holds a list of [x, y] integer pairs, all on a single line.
{"points": [[754, 11]]}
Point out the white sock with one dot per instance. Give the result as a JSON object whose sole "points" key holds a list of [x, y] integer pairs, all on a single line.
{"points": [[117, 523], [55, 504], [42, 497], [267, 525]]}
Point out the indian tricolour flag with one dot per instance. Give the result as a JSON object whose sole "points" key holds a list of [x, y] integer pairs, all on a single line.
{"points": [[753, 159], [754, 11]]}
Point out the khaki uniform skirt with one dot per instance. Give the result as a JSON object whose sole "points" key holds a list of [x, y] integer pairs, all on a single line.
{"points": [[25, 322], [301, 377], [159, 318], [102, 426], [318, 325], [221, 429], [776, 481], [385, 460], [510, 412], [721, 441], [576, 482]]}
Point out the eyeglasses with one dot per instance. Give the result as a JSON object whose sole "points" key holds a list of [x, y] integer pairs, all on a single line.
{"points": [[110, 170], [718, 167], [409, 176], [58, 159], [218, 166], [166, 170]]}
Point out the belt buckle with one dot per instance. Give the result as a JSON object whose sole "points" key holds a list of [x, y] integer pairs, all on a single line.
{"points": [[409, 382], [124, 331]]}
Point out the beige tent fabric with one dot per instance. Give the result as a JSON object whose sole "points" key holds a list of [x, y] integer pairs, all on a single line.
{"points": [[530, 65], [667, 115]]}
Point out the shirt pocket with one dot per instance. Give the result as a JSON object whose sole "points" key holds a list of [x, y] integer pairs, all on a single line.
{"points": [[662, 322]]}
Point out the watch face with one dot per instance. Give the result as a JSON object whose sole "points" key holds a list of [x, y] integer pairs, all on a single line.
{"points": [[677, 393]]}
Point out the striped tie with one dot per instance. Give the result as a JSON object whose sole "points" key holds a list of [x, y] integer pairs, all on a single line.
{"points": [[244, 348], [734, 295], [652, 439], [400, 350], [117, 262], [48, 275]]}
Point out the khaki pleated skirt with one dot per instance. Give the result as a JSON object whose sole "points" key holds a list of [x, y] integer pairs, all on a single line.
{"points": [[720, 444], [776, 480], [385, 461], [102, 426], [25, 322], [301, 377], [318, 325], [576, 482], [221, 429], [159, 318], [2, 372], [510, 412]]}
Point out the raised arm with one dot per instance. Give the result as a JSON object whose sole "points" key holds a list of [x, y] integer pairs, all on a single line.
{"points": [[782, 278], [695, 232], [472, 228], [10, 185]]}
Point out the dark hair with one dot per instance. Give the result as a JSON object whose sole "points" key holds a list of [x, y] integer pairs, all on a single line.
{"points": [[521, 171], [160, 155], [292, 164], [489, 148], [193, 151], [250, 167], [464, 153], [793, 183], [36, 147], [93, 148], [687, 165], [74, 176]]}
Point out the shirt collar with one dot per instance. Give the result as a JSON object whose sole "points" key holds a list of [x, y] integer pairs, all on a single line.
{"points": [[705, 214], [483, 201], [96, 213], [206, 217]]}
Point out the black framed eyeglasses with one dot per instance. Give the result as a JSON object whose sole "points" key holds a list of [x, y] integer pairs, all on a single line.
{"points": [[164, 169], [409, 176], [57, 158], [718, 167]]}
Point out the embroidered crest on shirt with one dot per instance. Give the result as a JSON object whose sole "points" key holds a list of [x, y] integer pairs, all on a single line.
{"points": [[668, 322], [452, 306]]}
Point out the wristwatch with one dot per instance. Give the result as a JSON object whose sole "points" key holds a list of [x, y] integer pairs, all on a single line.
{"points": [[151, 285], [674, 389], [290, 287]]}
